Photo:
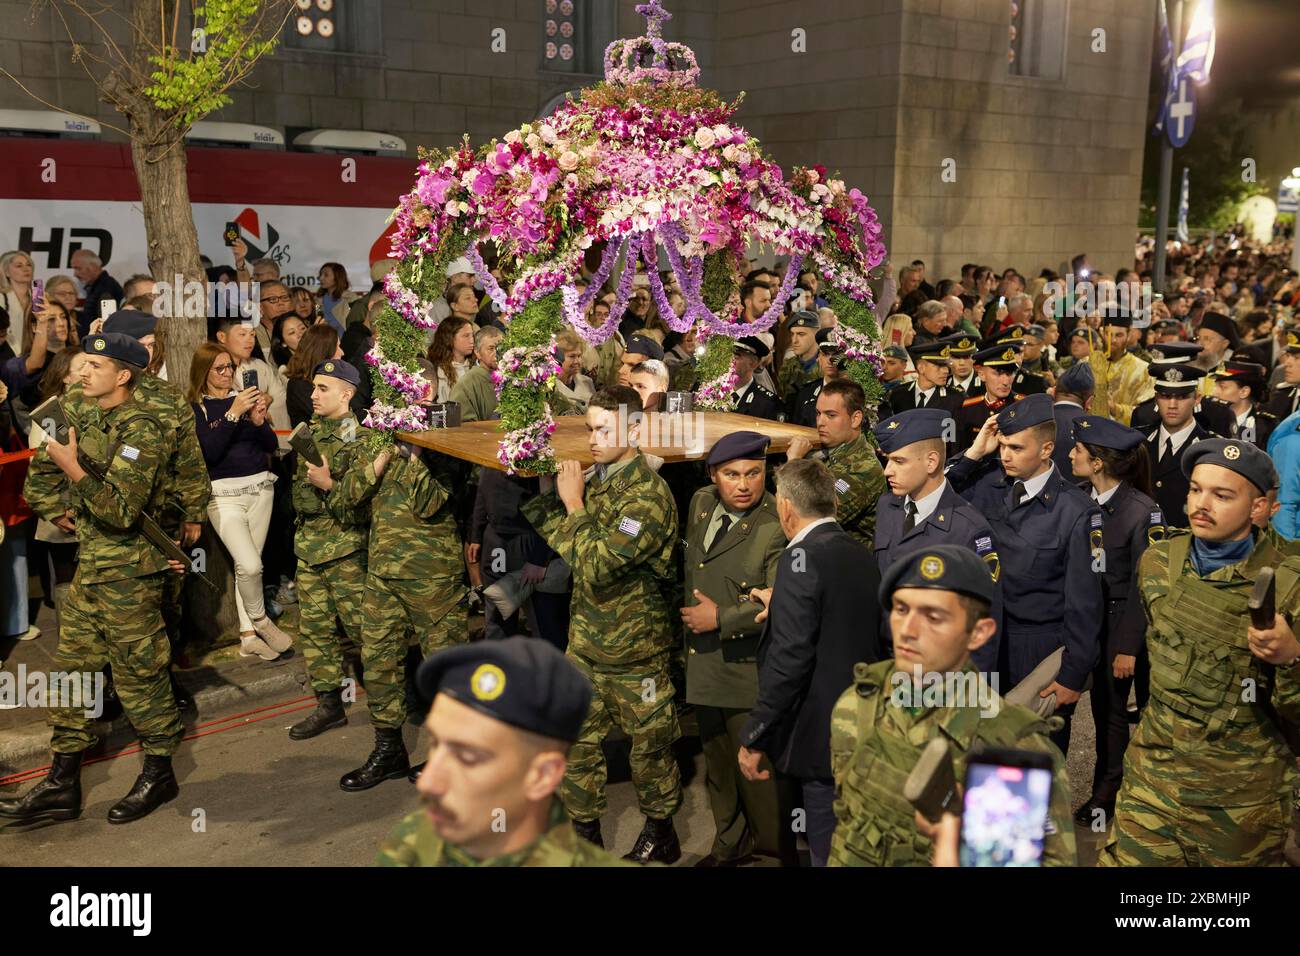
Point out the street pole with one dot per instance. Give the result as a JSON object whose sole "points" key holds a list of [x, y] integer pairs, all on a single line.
{"points": [[1166, 156]]}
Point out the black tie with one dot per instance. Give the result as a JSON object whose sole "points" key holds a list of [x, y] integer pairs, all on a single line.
{"points": [[909, 520], [720, 533], [1017, 492], [1169, 449]]}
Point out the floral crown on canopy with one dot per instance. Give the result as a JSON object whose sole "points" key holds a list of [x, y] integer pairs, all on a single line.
{"points": [[670, 64]]}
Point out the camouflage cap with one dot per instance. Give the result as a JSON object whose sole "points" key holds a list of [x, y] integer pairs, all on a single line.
{"points": [[520, 681]]}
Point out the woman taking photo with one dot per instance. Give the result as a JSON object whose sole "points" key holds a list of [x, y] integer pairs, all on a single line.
{"points": [[450, 354], [318, 343], [1113, 458], [237, 439]]}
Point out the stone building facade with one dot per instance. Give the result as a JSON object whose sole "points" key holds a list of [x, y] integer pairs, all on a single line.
{"points": [[965, 156]]}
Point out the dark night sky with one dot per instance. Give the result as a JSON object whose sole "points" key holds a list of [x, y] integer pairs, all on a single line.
{"points": [[1257, 50]]}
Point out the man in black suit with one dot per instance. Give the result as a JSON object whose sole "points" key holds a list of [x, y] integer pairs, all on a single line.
{"points": [[1073, 390], [823, 617], [1176, 395], [930, 390]]}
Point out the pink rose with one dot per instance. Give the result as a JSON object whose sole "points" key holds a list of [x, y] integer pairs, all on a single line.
{"points": [[731, 154], [452, 208], [704, 138], [569, 161], [722, 134]]}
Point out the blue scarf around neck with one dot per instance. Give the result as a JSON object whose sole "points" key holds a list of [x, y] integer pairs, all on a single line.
{"points": [[1209, 556]]}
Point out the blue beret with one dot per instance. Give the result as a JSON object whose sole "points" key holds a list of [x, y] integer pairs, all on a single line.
{"points": [[337, 368], [896, 352], [644, 345], [1006, 353], [1171, 352], [738, 445], [1077, 380], [931, 352], [803, 319], [1175, 375], [117, 346], [521, 681], [1240, 456], [1029, 411], [1086, 332], [947, 567], [1105, 433], [131, 322], [913, 425]]}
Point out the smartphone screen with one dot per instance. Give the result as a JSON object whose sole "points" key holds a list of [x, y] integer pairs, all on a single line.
{"points": [[1004, 808], [250, 378]]}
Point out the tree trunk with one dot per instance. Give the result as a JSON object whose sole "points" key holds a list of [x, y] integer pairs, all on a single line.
{"points": [[173, 243]]}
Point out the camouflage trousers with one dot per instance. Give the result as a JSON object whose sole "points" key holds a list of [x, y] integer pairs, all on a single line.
{"points": [[173, 585], [327, 591], [1154, 829], [118, 623], [638, 699], [392, 610]]}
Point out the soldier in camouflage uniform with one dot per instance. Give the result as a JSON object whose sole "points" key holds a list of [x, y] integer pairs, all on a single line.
{"points": [[113, 612], [1208, 775], [939, 602], [331, 502], [617, 535], [801, 367], [414, 583], [519, 706], [859, 479]]}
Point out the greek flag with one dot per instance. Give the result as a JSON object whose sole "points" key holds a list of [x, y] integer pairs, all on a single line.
{"points": [[1167, 69], [1198, 49], [1183, 198]]}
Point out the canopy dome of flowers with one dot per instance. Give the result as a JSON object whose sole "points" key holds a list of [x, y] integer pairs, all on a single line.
{"points": [[643, 160]]}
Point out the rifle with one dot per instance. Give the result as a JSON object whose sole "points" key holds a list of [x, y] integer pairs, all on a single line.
{"points": [[49, 415]]}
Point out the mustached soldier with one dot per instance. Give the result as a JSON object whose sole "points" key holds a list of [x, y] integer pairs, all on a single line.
{"points": [[617, 535], [938, 600], [331, 501], [1208, 776], [113, 612], [414, 582]]}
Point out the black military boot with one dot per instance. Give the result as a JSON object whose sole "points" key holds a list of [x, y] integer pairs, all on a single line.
{"points": [[56, 798], [657, 843], [590, 831], [413, 774], [387, 761], [155, 786], [328, 714]]}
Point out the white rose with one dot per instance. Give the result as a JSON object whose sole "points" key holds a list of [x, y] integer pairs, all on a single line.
{"points": [[721, 133], [731, 153], [513, 136], [704, 138]]}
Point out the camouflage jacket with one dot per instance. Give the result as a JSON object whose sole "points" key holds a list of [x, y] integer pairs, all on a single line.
{"points": [[412, 530], [336, 523], [792, 376], [414, 842], [186, 486], [620, 549], [1206, 734], [859, 483], [127, 445], [875, 743]]}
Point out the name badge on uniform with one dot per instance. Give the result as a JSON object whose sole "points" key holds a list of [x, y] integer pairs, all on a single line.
{"points": [[630, 527], [130, 453], [841, 485]]}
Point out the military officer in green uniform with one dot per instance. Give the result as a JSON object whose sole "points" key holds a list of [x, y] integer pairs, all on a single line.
{"points": [[1208, 775], [414, 585], [331, 502], [505, 714], [617, 534], [733, 542], [859, 479], [801, 367], [939, 603], [113, 613]]}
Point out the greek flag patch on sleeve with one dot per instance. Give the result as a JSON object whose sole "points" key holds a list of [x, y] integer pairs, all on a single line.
{"points": [[841, 485], [130, 453], [983, 545], [1096, 521], [629, 526]]}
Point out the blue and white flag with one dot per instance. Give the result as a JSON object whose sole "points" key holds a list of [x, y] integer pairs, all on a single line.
{"points": [[1166, 51], [1183, 201], [1197, 54]]}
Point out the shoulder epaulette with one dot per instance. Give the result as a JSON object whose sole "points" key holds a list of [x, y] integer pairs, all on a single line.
{"points": [[972, 401]]}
